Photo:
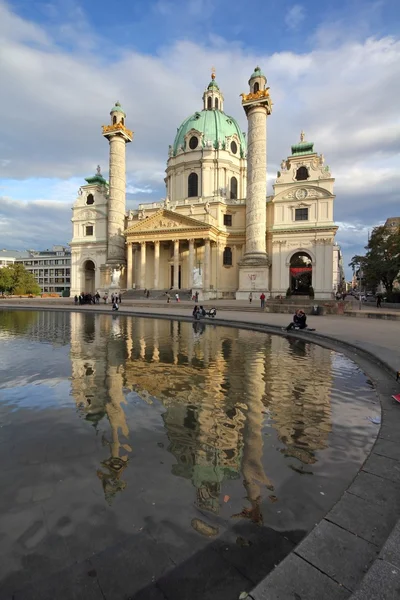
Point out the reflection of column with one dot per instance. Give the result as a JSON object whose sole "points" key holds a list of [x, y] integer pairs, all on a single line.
{"points": [[142, 265], [156, 264], [207, 264], [176, 264], [254, 476], [156, 349], [191, 263], [129, 266]]}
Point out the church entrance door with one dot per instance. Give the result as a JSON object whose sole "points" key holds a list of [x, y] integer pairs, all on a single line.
{"points": [[300, 274], [179, 277], [89, 277]]}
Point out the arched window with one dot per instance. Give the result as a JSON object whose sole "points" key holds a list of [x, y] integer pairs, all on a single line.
{"points": [[256, 87], [227, 257], [234, 185], [302, 174], [193, 185], [209, 103], [114, 119], [123, 121], [216, 103], [90, 199]]}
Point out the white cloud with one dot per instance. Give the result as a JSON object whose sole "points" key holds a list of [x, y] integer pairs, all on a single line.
{"points": [[295, 16], [343, 94]]}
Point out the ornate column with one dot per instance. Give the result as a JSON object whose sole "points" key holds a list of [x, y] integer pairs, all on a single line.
{"points": [[254, 267], [191, 262], [129, 265], [156, 264], [142, 265], [207, 265], [118, 136], [176, 264]]}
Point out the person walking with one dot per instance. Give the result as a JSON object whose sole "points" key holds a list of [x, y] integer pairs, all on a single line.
{"points": [[119, 298], [196, 297], [378, 301], [262, 298], [250, 297], [177, 297], [76, 299], [168, 297]]}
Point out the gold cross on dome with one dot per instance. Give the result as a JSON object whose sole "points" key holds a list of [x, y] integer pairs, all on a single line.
{"points": [[212, 72]]}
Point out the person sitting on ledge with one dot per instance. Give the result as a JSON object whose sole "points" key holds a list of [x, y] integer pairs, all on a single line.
{"points": [[299, 321], [196, 312]]}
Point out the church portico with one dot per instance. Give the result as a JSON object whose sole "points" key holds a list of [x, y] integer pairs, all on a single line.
{"points": [[215, 232]]}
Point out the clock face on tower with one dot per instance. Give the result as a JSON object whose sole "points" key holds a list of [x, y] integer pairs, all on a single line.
{"points": [[301, 194]]}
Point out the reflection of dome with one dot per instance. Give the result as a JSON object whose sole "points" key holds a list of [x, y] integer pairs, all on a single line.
{"points": [[215, 126]]}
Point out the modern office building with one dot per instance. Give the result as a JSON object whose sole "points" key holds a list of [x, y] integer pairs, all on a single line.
{"points": [[51, 268]]}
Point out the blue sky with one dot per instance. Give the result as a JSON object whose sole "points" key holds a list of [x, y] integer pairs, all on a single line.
{"points": [[333, 69]]}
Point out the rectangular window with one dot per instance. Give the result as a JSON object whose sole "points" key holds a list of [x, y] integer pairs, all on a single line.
{"points": [[228, 220], [89, 229], [301, 214]]}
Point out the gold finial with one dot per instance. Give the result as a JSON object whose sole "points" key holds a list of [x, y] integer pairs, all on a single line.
{"points": [[302, 136], [213, 73]]}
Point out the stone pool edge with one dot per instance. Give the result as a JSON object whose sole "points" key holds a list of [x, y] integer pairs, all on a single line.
{"points": [[337, 559]]}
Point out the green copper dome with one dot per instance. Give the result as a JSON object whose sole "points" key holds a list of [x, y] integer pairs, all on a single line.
{"points": [[215, 126], [118, 108], [213, 84], [256, 73]]}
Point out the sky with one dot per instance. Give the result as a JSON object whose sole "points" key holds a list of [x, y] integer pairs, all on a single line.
{"points": [[333, 68]]}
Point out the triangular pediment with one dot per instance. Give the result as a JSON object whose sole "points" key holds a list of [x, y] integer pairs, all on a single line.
{"points": [[167, 220]]}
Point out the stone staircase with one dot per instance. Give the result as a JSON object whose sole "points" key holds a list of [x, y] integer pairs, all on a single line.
{"points": [[138, 294]]}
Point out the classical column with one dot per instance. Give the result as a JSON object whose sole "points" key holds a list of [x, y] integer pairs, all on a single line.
{"points": [[156, 265], [129, 266], [118, 136], [176, 264], [256, 212], [142, 265], [254, 266], [207, 265], [191, 263]]}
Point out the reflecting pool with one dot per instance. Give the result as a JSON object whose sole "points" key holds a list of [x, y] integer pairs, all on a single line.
{"points": [[191, 457]]}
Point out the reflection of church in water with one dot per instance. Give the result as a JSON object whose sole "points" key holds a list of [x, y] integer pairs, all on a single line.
{"points": [[218, 388]]}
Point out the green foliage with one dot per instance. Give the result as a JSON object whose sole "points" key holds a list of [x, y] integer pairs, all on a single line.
{"points": [[15, 279], [5, 280], [381, 262]]}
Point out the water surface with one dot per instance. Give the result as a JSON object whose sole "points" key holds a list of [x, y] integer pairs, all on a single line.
{"points": [[198, 442]]}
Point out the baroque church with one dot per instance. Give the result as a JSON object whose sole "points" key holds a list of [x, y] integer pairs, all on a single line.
{"points": [[216, 232]]}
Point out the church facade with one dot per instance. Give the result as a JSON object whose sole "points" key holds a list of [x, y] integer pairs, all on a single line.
{"points": [[216, 232]]}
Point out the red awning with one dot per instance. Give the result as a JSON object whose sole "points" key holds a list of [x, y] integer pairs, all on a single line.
{"points": [[295, 271]]}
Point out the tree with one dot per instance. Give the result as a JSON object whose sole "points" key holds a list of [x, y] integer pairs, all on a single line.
{"points": [[381, 262], [21, 280], [5, 280]]}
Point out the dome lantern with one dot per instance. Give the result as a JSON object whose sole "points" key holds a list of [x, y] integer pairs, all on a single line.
{"points": [[213, 98]]}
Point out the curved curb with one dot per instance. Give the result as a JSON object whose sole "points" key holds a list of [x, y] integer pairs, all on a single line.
{"points": [[332, 560]]}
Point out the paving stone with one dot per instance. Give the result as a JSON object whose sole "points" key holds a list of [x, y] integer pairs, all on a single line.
{"points": [[390, 432], [295, 579], [78, 582], [382, 582], [365, 519], [384, 467], [388, 448], [338, 553], [205, 576], [125, 569], [152, 592], [377, 490], [254, 551], [390, 551]]}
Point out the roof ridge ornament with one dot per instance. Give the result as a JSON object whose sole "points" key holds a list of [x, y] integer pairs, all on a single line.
{"points": [[302, 136]]}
